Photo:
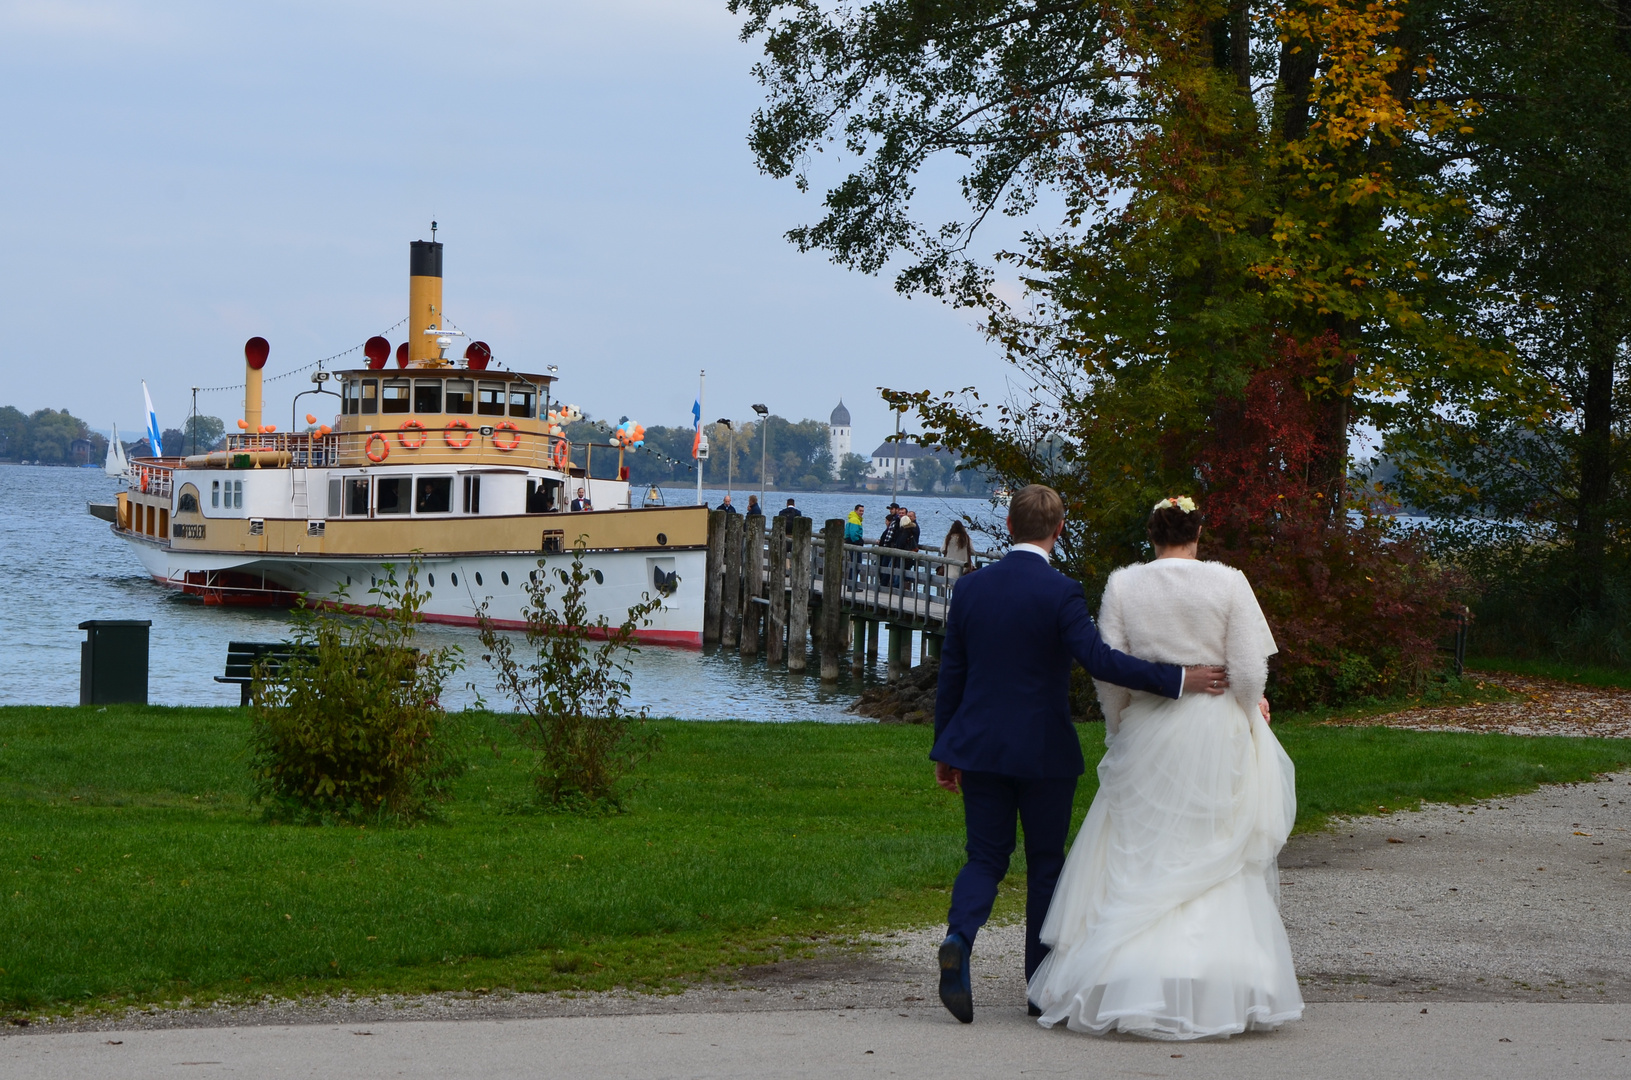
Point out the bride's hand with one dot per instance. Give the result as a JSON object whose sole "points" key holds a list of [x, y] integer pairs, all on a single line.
{"points": [[1263, 707], [1205, 679]]}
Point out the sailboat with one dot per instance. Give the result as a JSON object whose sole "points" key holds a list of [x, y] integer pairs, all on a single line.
{"points": [[117, 465]]}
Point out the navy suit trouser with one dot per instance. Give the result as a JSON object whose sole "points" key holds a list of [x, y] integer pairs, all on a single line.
{"points": [[991, 804]]}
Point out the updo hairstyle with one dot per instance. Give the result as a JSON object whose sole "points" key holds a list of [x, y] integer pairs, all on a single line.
{"points": [[1171, 526]]}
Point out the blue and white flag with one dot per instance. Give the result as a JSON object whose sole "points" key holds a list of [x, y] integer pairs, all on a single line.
{"points": [[155, 441]]}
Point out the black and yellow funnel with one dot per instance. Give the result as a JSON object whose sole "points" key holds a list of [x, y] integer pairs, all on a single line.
{"points": [[424, 301]]}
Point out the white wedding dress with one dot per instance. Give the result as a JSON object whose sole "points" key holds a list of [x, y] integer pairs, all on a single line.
{"points": [[1166, 920]]}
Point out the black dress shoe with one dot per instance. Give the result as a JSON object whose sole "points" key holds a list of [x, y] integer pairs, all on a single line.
{"points": [[1032, 1009], [956, 990]]}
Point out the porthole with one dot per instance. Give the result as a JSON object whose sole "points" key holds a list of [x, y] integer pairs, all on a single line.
{"points": [[504, 576], [455, 578], [348, 579], [600, 579], [478, 577], [432, 579], [662, 539]]}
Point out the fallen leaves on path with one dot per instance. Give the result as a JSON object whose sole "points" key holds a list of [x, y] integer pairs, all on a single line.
{"points": [[1539, 707]]}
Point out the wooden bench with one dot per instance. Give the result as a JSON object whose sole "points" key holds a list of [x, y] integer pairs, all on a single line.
{"points": [[242, 656]]}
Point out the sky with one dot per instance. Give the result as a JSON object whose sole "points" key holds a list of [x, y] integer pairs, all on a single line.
{"points": [[181, 176]]}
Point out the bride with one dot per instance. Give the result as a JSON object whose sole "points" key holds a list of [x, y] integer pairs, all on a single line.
{"points": [[1166, 921]]}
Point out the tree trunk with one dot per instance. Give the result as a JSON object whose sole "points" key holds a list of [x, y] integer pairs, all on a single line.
{"points": [[1596, 452]]}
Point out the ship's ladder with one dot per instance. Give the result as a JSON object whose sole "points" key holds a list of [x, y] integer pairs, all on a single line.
{"points": [[298, 493]]}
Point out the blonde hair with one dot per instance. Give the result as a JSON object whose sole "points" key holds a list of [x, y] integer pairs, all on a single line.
{"points": [[1034, 513]]}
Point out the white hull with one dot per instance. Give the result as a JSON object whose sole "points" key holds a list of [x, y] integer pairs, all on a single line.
{"points": [[455, 584]]}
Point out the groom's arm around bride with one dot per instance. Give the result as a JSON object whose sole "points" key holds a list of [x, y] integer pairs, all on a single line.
{"points": [[1003, 732]]}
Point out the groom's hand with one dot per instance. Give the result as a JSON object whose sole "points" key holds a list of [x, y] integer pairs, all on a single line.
{"points": [[949, 778], [1205, 680]]}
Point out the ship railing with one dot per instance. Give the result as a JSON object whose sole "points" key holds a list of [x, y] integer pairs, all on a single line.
{"points": [[151, 476], [305, 449]]}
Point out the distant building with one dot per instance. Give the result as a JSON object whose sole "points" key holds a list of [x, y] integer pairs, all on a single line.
{"points": [[884, 458], [838, 431]]}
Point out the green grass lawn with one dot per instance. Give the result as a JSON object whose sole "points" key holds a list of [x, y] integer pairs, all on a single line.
{"points": [[135, 869]]}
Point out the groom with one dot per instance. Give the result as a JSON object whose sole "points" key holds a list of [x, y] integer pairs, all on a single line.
{"points": [[1002, 730]]}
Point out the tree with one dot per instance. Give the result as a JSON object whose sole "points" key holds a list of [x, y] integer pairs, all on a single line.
{"points": [[202, 432], [1247, 188], [852, 470], [927, 471], [51, 435], [174, 441]]}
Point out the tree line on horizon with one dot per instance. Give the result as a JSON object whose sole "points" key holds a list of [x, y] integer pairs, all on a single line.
{"points": [[57, 437]]}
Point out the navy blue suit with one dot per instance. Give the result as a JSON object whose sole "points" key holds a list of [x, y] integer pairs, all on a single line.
{"points": [[1002, 716]]}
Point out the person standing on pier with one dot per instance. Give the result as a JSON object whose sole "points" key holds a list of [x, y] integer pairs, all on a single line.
{"points": [[854, 532], [754, 509], [726, 506], [790, 511]]}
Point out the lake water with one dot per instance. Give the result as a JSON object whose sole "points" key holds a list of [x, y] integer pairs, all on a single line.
{"points": [[60, 567]]}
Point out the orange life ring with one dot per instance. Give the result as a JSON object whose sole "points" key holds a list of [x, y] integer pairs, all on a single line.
{"points": [[447, 434], [561, 455], [506, 447], [144, 481], [402, 434], [384, 448]]}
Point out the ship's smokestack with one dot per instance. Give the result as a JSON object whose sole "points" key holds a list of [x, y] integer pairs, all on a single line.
{"points": [[424, 300], [256, 350]]}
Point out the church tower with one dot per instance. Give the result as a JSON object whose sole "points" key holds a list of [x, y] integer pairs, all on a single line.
{"points": [[838, 434]]}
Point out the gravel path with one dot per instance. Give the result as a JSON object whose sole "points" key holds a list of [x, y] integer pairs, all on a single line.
{"points": [[1540, 707]]}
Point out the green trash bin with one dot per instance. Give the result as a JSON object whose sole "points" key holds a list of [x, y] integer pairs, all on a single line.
{"points": [[113, 661]]}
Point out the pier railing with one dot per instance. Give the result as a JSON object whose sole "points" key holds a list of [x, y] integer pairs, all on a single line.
{"points": [[780, 586]]}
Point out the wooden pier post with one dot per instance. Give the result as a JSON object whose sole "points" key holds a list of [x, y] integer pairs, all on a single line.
{"points": [[872, 629], [713, 586], [776, 593], [857, 652], [900, 651], [798, 600], [833, 638], [931, 645], [730, 622], [753, 583]]}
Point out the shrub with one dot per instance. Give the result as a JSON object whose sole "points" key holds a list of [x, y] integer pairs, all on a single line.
{"points": [[571, 697], [352, 725], [1357, 607]]}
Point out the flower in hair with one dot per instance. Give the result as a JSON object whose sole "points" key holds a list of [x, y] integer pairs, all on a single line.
{"points": [[1182, 502]]}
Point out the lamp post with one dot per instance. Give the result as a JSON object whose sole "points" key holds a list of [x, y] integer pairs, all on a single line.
{"points": [[764, 440], [730, 454], [894, 474]]}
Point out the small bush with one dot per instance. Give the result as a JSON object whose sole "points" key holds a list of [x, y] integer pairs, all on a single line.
{"points": [[571, 697], [352, 726]]}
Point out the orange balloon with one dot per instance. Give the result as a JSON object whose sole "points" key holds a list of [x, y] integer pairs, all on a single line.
{"points": [[310, 419], [243, 425]]}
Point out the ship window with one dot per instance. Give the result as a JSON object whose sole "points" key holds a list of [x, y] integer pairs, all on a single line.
{"points": [[521, 400], [490, 399], [472, 494], [394, 398], [427, 396], [370, 396], [461, 396], [356, 496], [237, 494], [215, 493], [187, 504], [434, 495], [504, 575], [391, 495], [478, 577], [335, 487], [349, 394]]}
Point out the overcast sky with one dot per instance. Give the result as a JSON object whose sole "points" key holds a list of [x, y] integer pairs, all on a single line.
{"points": [[180, 176]]}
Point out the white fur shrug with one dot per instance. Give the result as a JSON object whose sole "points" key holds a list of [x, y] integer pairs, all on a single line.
{"points": [[1184, 611]]}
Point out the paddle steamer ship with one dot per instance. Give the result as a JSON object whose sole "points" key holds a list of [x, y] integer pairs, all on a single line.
{"points": [[448, 462]]}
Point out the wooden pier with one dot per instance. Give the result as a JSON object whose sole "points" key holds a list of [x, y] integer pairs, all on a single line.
{"points": [[768, 590]]}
